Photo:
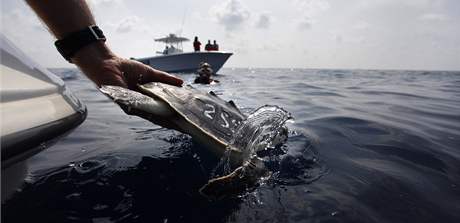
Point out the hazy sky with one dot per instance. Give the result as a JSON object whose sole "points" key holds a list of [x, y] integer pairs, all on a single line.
{"points": [[375, 34]]}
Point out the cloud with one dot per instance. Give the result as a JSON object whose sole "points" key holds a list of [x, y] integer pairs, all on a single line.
{"points": [[312, 7], [433, 17], [26, 19], [305, 23], [32, 37], [127, 24], [271, 47], [338, 39], [105, 2], [361, 25], [264, 20], [232, 14], [308, 10]]}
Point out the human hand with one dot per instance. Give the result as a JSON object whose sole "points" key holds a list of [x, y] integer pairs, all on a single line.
{"points": [[105, 68]]}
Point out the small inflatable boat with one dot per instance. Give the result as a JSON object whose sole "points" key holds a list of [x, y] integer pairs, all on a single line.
{"points": [[35, 107]]}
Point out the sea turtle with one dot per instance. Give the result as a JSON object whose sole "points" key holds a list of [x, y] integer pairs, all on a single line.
{"points": [[217, 124]]}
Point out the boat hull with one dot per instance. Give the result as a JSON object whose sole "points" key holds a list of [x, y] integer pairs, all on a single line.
{"points": [[187, 62], [36, 109], [36, 106]]}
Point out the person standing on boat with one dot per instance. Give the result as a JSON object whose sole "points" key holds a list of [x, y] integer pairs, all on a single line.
{"points": [[82, 43], [196, 44], [208, 46], [215, 46]]}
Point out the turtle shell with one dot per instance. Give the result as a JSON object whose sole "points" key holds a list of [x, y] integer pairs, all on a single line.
{"points": [[206, 112]]}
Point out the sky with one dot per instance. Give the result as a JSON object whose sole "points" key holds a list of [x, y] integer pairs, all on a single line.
{"points": [[332, 34]]}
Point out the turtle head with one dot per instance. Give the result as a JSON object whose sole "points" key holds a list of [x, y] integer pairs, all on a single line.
{"points": [[240, 180], [224, 186]]}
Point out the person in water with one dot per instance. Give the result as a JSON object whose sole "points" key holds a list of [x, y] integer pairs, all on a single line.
{"points": [[204, 74], [196, 44], [66, 19], [215, 46], [208, 46]]}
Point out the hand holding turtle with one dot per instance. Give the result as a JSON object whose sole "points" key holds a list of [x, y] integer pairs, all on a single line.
{"points": [[105, 68]]}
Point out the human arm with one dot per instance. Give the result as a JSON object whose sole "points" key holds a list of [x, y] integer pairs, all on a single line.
{"points": [[96, 60]]}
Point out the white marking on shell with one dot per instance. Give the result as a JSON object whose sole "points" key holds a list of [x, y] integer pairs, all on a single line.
{"points": [[223, 116], [208, 113]]}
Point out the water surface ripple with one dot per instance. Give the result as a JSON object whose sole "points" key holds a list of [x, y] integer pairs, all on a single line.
{"points": [[365, 146]]}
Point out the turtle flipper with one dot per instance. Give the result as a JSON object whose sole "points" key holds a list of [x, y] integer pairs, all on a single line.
{"points": [[146, 107], [235, 183], [129, 99]]}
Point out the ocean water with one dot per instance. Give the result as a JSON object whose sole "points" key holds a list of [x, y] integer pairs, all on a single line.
{"points": [[364, 146]]}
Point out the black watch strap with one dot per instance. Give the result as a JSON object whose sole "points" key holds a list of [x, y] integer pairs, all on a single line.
{"points": [[73, 42]]}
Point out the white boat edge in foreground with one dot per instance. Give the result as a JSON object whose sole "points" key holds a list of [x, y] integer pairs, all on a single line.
{"points": [[36, 109]]}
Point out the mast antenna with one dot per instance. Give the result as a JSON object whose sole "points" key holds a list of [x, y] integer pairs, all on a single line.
{"points": [[183, 21]]}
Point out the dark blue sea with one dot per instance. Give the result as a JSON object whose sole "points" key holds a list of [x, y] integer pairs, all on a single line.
{"points": [[364, 146]]}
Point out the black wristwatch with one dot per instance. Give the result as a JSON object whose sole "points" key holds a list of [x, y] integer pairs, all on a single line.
{"points": [[73, 42]]}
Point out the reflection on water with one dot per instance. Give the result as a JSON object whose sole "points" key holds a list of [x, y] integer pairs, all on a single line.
{"points": [[365, 146], [126, 187]]}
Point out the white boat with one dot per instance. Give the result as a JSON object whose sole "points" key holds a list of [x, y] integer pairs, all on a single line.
{"points": [[174, 60], [36, 109]]}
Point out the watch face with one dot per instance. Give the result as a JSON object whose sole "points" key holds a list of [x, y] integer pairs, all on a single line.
{"points": [[97, 33]]}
